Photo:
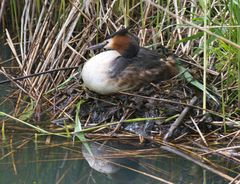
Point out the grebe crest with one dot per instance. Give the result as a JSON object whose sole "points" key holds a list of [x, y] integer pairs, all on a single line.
{"points": [[122, 41]]}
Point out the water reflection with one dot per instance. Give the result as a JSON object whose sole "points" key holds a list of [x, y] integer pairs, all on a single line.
{"points": [[6, 104], [26, 161], [107, 159]]}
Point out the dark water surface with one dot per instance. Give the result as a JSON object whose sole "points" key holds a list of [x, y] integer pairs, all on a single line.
{"points": [[28, 161], [5, 104]]}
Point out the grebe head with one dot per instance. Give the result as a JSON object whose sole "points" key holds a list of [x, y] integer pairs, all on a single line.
{"points": [[122, 41]]}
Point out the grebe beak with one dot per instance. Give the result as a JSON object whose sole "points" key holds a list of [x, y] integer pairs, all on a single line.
{"points": [[98, 46]]}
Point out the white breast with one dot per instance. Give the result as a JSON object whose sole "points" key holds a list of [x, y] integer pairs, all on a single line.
{"points": [[95, 73]]}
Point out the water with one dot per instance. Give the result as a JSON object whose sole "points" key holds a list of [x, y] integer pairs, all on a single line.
{"points": [[28, 161], [5, 104]]}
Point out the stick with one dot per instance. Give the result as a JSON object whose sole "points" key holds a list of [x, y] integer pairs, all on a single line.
{"points": [[180, 118], [38, 74]]}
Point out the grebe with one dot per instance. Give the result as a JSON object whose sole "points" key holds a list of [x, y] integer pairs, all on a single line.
{"points": [[126, 66]]}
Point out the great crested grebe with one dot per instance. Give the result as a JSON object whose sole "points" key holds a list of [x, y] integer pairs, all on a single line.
{"points": [[126, 66]]}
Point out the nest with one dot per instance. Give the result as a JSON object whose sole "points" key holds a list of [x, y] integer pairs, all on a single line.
{"points": [[147, 111]]}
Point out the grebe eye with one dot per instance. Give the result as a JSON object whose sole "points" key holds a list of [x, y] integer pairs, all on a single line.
{"points": [[107, 44]]}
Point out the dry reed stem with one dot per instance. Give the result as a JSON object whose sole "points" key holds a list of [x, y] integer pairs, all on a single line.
{"points": [[199, 131], [2, 9], [195, 158]]}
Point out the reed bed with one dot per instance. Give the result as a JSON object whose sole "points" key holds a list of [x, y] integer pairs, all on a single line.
{"points": [[55, 37], [49, 42]]}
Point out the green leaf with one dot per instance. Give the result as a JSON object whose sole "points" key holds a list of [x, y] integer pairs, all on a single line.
{"points": [[28, 112], [188, 76], [193, 37], [78, 128]]}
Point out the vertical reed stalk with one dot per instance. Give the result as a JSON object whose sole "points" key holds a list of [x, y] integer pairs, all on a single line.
{"points": [[205, 57], [2, 9], [126, 13], [238, 65], [158, 15], [38, 6], [223, 103], [97, 20], [14, 16], [142, 14], [3, 131]]}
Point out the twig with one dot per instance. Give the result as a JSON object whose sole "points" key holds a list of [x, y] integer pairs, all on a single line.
{"points": [[180, 118], [210, 151], [199, 131], [194, 160], [228, 123], [236, 180], [38, 74], [120, 122]]}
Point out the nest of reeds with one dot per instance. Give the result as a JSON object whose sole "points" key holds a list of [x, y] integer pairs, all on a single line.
{"points": [[147, 111]]}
